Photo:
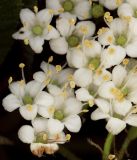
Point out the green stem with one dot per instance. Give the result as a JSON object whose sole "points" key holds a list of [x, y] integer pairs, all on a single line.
{"points": [[107, 146]]}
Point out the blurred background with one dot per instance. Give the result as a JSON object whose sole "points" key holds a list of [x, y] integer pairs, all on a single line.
{"points": [[11, 54]]}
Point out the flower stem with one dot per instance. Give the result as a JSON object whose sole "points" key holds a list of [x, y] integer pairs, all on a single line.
{"points": [[107, 146]]}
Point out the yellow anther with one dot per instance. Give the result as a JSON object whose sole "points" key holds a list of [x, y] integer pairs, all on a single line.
{"points": [[78, 47], [47, 81], [61, 10], [49, 72], [118, 2], [88, 43], [72, 21], [117, 94], [21, 65], [49, 28], [110, 19], [51, 110], [50, 59], [84, 29], [58, 68], [90, 102], [68, 137], [21, 82], [127, 18], [125, 61], [29, 107], [107, 15], [45, 137], [85, 110], [65, 85], [26, 41], [134, 110], [106, 77], [99, 71], [64, 94], [91, 67], [35, 9], [111, 50], [110, 39], [10, 80], [102, 30], [72, 84], [51, 11], [70, 77], [111, 157]]}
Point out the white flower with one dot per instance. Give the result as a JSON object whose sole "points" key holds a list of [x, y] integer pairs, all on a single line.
{"points": [[40, 138], [64, 112], [117, 115], [111, 4], [80, 9], [71, 34], [28, 98], [123, 86], [121, 37], [36, 28]]}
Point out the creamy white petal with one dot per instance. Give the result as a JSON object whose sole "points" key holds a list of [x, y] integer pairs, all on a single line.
{"points": [[131, 120], [27, 17], [28, 112], [109, 4], [132, 96], [82, 10], [73, 123], [119, 74], [115, 126], [44, 17], [10, 103], [44, 99], [52, 34], [55, 126], [46, 112], [133, 26], [39, 76], [133, 3], [54, 90], [39, 124], [26, 134], [103, 105], [83, 94], [38, 149], [122, 107], [105, 90], [83, 77], [131, 49], [85, 28], [52, 4], [59, 45], [36, 43], [72, 106], [46, 67], [99, 114]]}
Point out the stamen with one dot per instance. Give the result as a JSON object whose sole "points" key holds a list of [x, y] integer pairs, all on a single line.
{"points": [[58, 68], [88, 43], [35, 9], [50, 59], [125, 61], [26, 41], [72, 84], [91, 102], [22, 65], [10, 80], [68, 137], [49, 28]]}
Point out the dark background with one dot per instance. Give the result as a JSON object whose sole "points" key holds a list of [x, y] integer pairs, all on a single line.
{"points": [[11, 54]]}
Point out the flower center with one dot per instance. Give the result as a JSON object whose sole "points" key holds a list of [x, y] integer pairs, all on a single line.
{"points": [[37, 30], [27, 100], [68, 5], [97, 10], [42, 137], [59, 115], [121, 40], [94, 63], [125, 91], [135, 14], [73, 41]]}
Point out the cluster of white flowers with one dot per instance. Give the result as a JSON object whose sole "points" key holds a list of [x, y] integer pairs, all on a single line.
{"points": [[100, 71]]}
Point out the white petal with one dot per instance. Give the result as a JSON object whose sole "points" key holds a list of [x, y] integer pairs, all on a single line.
{"points": [[27, 17], [52, 4], [27, 113], [39, 76], [73, 123], [88, 27], [36, 43], [46, 112], [52, 34], [55, 126], [103, 105], [131, 49], [44, 99], [132, 120], [44, 17], [105, 90], [46, 67], [133, 3], [83, 77], [109, 4], [10, 103], [82, 10], [98, 114], [17, 88], [33, 88], [133, 26], [72, 106], [119, 74], [115, 126], [54, 90], [59, 45], [76, 58], [38, 149], [39, 124], [132, 96], [82, 94], [122, 107], [26, 134]]}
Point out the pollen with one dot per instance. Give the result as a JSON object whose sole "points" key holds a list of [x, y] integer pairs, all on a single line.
{"points": [[106, 77], [70, 77], [91, 67], [68, 137], [51, 109], [108, 17], [35, 9], [125, 61], [49, 72], [99, 71], [111, 157], [49, 27], [110, 39], [90, 102], [50, 59], [85, 110], [72, 84], [10, 80], [58, 68], [21, 82], [88, 44], [117, 94], [21, 65], [61, 10], [29, 107], [84, 29], [26, 41], [72, 21], [127, 18], [111, 51], [102, 30]]}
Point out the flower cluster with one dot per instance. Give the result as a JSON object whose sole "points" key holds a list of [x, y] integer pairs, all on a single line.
{"points": [[101, 72]]}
